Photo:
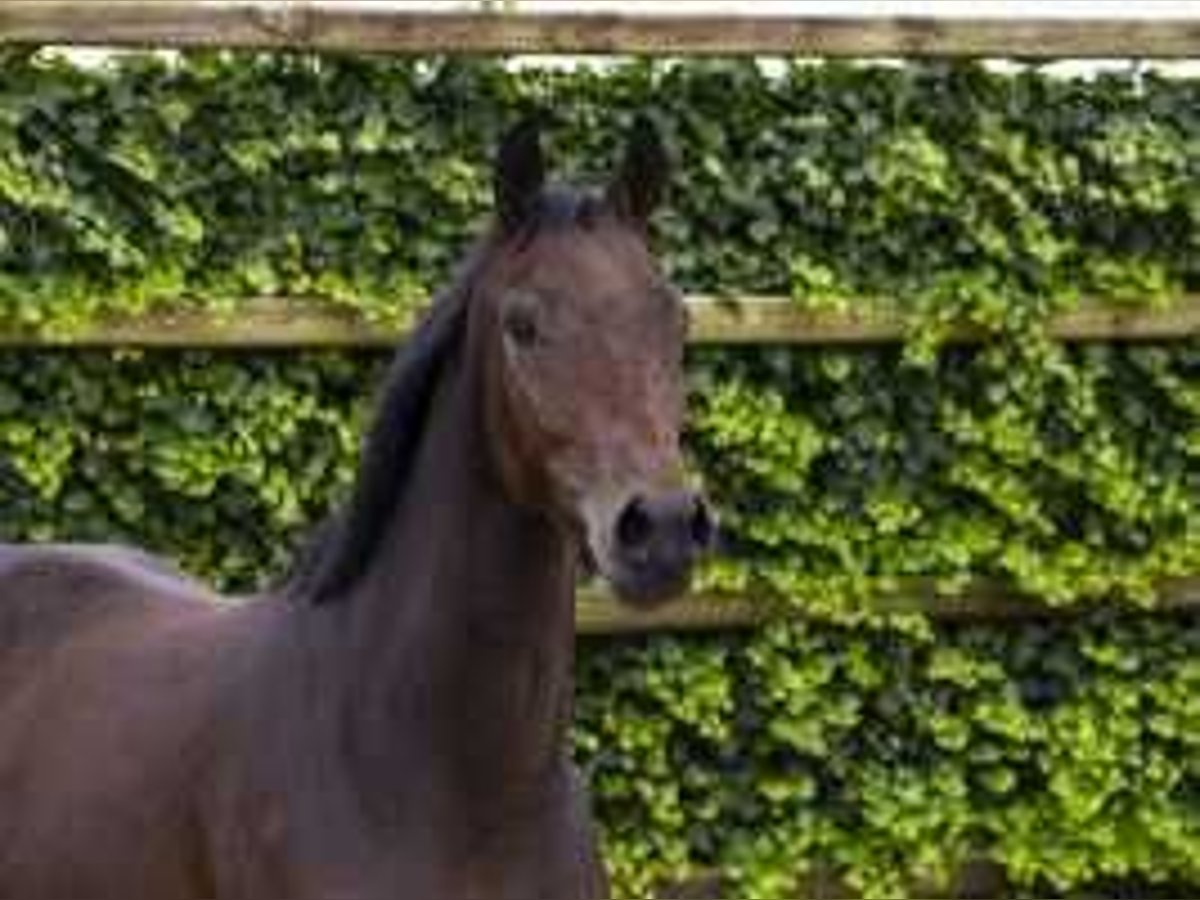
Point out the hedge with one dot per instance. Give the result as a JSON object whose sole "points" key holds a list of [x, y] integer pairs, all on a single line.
{"points": [[883, 749], [938, 188]]}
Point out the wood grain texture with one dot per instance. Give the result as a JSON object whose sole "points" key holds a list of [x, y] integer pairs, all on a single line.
{"points": [[280, 322], [337, 25], [598, 613]]}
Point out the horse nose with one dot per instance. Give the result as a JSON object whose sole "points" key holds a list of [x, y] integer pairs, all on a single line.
{"points": [[668, 527]]}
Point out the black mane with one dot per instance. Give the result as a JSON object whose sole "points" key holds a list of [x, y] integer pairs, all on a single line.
{"points": [[340, 548]]}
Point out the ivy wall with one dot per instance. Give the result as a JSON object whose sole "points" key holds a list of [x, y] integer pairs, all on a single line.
{"points": [[882, 750]]}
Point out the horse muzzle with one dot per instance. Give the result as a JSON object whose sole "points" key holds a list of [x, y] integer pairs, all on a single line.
{"points": [[646, 546]]}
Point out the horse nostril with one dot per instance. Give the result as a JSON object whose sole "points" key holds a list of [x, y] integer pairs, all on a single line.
{"points": [[701, 526], [635, 525]]}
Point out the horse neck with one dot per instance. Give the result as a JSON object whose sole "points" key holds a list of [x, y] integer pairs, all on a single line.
{"points": [[462, 630]]}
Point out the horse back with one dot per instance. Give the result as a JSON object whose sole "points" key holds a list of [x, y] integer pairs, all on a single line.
{"points": [[48, 592]]}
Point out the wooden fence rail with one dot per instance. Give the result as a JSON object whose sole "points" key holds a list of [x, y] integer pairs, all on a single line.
{"points": [[281, 323], [337, 25], [598, 613]]}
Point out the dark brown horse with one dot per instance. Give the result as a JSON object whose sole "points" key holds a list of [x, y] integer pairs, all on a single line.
{"points": [[392, 722]]}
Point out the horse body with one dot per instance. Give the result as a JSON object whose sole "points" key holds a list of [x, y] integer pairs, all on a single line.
{"points": [[203, 746], [392, 721], [140, 736]]}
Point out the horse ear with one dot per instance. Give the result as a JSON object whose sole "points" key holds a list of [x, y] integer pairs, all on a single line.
{"points": [[641, 181], [520, 172]]}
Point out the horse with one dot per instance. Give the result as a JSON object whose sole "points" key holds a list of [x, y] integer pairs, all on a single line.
{"points": [[390, 718]]}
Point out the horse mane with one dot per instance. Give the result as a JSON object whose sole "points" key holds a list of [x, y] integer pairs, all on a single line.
{"points": [[337, 552]]}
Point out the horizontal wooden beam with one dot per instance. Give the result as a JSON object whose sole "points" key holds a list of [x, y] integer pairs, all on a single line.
{"points": [[267, 323], [778, 320], [339, 25], [598, 613]]}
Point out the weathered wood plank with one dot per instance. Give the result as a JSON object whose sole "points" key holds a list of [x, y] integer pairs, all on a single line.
{"points": [[777, 320], [255, 323], [282, 323], [598, 613], [337, 25]]}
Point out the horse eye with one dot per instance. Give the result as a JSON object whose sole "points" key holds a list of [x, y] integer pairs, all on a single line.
{"points": [[520, 326]]}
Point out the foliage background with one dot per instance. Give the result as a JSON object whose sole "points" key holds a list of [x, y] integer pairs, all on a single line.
{"points": [[883, 749]]}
